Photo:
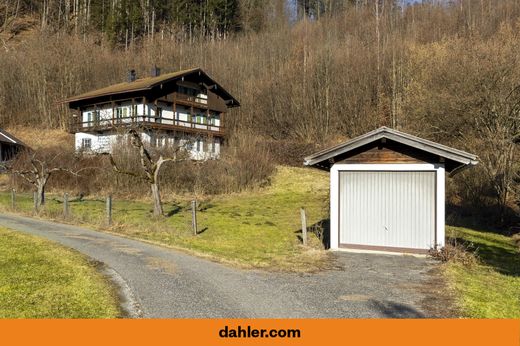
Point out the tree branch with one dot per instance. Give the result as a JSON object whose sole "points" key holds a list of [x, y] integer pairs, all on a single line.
{"points": [[118, 170]]}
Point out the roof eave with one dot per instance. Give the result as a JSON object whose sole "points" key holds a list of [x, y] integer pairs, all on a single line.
{"points": [[228, 96], [452, 154], [101, 95]]}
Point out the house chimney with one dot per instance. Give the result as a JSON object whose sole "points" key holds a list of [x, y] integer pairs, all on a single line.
{"points": [[156, 72], [132, 76]]}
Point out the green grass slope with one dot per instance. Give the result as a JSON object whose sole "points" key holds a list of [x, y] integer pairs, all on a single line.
{"points": [[490, 289], [40, 279]]}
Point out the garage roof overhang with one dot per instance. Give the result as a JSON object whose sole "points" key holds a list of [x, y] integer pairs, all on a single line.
{"points": [[455, 160]]}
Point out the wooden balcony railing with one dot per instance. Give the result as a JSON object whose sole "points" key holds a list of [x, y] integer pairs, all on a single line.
{"points": [[77, 125], [188, 98]]}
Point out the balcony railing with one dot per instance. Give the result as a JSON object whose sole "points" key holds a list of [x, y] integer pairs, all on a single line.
{"points": [[191, 99], [78, 125]]}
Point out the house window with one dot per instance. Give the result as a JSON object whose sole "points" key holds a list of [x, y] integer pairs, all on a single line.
{"points": [[215, 120], [96, 114], [187, 91], [200, 145], [119, 115], [200, 118], [89, 118], [86, 143], [125, 112]]}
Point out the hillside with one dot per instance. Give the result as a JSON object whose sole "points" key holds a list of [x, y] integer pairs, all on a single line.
{"points": [[307, 74], [37, 138]]}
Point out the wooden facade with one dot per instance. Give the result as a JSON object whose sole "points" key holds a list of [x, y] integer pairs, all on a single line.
{"points": [[387, 151], [10, 146]]}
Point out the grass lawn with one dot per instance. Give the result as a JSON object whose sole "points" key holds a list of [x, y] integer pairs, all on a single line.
{"points": [[251, 229], [492, 288], [40, 279], [260, 229]]}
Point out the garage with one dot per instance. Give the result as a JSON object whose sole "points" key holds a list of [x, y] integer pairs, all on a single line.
{"points": [[387, 191]]}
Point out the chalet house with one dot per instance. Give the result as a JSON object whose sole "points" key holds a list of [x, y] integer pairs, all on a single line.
{"points": [[185, 108], [9, 146]]}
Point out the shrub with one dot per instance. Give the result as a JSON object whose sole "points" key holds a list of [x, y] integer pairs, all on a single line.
{"points": [[244, 164], [456, 251]]}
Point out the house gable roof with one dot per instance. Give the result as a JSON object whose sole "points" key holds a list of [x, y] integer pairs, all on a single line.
{"points": [[455, 159], [148, 83]]}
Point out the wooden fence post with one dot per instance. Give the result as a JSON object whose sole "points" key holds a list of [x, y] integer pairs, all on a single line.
{"points": [[194, 217], [304, 226], [13, 199], [65, 205], [109, 210]]}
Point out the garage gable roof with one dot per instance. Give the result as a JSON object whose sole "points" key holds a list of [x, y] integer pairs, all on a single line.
{"points": [[460, 158]]}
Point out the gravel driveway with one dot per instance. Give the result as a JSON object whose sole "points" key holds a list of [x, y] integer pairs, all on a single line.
{"points": [[163, 283]]}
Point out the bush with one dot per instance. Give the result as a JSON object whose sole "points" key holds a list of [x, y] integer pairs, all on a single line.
{"points": [[244, 164], [455, 251], [289, 152]]}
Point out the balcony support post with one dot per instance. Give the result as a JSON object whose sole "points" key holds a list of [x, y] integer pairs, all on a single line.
{"points": [[144, 108], [133, 114], [113, 105], [207, 119], [191, 117]]}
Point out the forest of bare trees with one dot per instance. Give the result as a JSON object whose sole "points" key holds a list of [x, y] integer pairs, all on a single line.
{"points": [[306, 72]]}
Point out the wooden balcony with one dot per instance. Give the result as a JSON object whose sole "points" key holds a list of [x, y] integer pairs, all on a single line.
{"points": [[190, 101], [167, 124]]}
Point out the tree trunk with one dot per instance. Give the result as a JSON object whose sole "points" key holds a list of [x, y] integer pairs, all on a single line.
{"points": [[157, 203], [40, 193]]}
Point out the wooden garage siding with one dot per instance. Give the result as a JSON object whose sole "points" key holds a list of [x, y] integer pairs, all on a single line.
{"points": [[387, 209], [381, 155]]}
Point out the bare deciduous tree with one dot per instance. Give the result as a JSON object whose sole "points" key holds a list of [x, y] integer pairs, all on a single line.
{"points": [[37, 167], [151, 163]]}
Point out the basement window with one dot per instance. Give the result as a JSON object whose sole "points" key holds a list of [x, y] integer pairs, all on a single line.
{"points": [[86, 143]]}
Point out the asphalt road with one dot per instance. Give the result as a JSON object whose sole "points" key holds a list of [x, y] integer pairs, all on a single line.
{"points": [[163, 283]]}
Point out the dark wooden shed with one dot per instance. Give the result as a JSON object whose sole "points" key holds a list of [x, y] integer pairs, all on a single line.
{"points": [[9, 146]]}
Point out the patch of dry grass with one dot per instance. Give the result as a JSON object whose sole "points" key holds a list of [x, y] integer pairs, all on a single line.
{"points": [[37, 138]]}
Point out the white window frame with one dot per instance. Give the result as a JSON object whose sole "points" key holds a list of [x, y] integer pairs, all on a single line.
{"points": [[83, 143]]}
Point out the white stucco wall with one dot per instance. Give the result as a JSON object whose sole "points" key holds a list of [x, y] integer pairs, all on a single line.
{"points": [[108, 113], [102, 143]]}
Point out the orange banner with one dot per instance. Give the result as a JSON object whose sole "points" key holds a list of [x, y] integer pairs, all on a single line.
{"points": [[261, 332]]}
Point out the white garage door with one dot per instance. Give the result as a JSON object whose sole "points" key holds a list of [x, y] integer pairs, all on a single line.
{"points": [[387, 209]]}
